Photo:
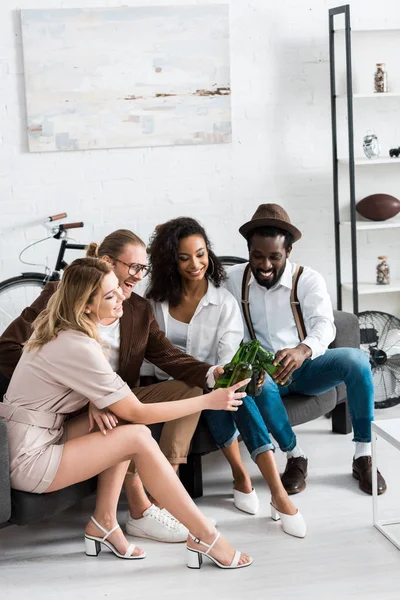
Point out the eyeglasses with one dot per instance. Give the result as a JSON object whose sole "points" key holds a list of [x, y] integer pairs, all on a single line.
{"points": [[134, 268]]}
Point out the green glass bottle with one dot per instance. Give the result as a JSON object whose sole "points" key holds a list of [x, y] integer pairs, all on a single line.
{"points": [[243, 369], [266, 361], [265, 356], [225, 378], [253, 349]]}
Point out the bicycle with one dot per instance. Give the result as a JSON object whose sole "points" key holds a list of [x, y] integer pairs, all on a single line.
{"points": [[19, 292]]}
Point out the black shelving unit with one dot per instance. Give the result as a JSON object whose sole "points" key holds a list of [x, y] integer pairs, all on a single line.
{"points": [[334, 12]]}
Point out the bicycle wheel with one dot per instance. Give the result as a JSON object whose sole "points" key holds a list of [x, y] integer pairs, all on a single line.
{"points": [[17, 293]]}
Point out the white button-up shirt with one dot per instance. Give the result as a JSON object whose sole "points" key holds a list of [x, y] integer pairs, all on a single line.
{"points": [[272, 315], [214, 332]]}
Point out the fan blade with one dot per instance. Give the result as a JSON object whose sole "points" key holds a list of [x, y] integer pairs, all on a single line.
{"points": [[390, 333], [394, 361]]}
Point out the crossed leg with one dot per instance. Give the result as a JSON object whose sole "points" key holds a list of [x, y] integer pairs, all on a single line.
{"points": [[87, 455]]}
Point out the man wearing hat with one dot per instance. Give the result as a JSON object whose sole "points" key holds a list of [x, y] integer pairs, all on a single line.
{"points": [[266, 289]]}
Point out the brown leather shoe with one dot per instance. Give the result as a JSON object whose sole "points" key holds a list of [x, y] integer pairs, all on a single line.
{"points": [[294, 477], [362, 470]]}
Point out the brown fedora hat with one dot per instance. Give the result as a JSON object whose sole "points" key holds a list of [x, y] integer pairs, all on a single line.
{"points": [[270, 215]]}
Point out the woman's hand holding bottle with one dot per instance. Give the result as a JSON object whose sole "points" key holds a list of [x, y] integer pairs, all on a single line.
{"points": [[226, 398]]}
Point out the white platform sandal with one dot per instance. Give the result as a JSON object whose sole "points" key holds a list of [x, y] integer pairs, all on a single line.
{"points": [[93, 544], [195, 557]]}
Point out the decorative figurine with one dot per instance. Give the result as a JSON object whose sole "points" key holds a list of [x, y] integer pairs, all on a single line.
{"points": [[380, 79], [371, 145], [394, 152], [382, 271]]}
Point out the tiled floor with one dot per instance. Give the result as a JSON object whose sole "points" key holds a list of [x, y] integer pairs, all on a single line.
{"points": [[342, 557]]}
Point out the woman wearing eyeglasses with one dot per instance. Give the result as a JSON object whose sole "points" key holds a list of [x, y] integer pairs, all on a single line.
{"points": [[62, 368], [130, 340]]}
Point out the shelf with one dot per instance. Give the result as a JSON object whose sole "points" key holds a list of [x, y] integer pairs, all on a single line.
{"points": [[371, 95], [373, 288], [386, 160], [367, 225], [355, 30]]}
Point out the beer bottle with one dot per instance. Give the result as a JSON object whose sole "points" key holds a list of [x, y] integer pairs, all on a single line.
{"points": [[243, 369], [223, 381], [263, 357], [266, 360]]}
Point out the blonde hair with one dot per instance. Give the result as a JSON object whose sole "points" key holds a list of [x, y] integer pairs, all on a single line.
{"points": [[113, 245], [81, 281]]}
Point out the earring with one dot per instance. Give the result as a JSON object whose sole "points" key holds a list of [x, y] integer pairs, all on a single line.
{"points": [[210, 260], [87, 311]]}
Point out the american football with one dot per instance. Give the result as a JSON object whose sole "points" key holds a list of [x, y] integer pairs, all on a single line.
{"points": [[378, 207]]}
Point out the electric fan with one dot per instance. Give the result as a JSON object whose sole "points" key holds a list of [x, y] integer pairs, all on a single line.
{"points": [[380, 340]]}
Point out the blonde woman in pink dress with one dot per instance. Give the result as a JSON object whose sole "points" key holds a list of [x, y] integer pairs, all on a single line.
{"points": [[62, 368]]}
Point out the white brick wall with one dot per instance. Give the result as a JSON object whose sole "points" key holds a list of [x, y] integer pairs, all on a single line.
{"points": [[281, 150]]}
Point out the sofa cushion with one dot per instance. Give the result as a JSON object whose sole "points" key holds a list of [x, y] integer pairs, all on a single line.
{"points": [[5, 501], [302, 409], [28, 508]]}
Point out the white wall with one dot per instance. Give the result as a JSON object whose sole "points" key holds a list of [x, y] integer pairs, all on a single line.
{"points": [[281, 150]]}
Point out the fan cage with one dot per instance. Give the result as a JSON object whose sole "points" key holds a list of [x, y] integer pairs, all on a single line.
{"points": [[380, 341]]}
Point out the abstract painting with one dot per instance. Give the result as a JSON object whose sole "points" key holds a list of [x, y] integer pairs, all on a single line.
{"points": [[127, 77]]}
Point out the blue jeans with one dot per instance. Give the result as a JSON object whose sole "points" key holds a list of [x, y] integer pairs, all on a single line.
{"points": [[265, 414]]}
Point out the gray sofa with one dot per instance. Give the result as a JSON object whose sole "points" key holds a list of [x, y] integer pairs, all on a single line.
{"points": [[22, 508]]}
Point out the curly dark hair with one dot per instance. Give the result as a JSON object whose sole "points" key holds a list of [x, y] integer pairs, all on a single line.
{"points": [[166, 283]]}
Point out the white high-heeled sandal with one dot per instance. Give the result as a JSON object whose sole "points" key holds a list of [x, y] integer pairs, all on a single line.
{"points": [[195, 557], [93, 544], [294, 525]]}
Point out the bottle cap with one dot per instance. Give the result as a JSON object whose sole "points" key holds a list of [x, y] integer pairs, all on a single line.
{"points": [[382, 257]]}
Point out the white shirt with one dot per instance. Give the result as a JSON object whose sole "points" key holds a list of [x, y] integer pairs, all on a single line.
{"points": [[214, 332], [110, 338], [272, 315]]}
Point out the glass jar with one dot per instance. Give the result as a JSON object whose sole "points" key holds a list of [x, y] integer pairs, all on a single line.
{"points": [[382, 271], [380, 79], [371, 145]]}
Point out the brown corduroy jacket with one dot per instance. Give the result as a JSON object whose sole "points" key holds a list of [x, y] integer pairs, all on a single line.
{"points": [[141, 339]]}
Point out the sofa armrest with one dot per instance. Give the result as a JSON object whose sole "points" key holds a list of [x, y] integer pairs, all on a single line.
{"points": [[5, 491], [347, 330]]}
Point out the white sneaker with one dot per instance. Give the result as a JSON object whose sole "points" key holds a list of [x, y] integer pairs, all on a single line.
{"points": [[157, 525], [212, 520]]}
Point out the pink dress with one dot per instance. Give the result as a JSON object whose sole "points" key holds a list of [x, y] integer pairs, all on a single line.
{"points": [[46, 385]]}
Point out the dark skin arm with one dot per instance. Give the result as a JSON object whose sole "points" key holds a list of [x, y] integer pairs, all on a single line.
{"points": [[290, 359]]}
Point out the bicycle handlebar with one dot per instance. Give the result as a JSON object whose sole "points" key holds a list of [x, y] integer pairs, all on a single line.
{"points": [[66, 226], [57, 217]]}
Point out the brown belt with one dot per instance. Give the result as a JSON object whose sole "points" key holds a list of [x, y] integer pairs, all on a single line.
{"points": [[40, 418]]}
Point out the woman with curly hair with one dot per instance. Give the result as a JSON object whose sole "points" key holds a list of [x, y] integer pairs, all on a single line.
{"points": [[203, 319], [198, 316]]}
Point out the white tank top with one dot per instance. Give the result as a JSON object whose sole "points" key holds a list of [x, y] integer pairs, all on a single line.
{"points": [[110, 338], [177, 333]]}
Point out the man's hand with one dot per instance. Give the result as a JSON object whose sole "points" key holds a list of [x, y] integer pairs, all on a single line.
{"points": [[290, 359], [261, 378], [218, 371], [102, 418]]}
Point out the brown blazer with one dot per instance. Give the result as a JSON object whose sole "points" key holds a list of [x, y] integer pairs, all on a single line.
{"points": [[141, 339]]}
